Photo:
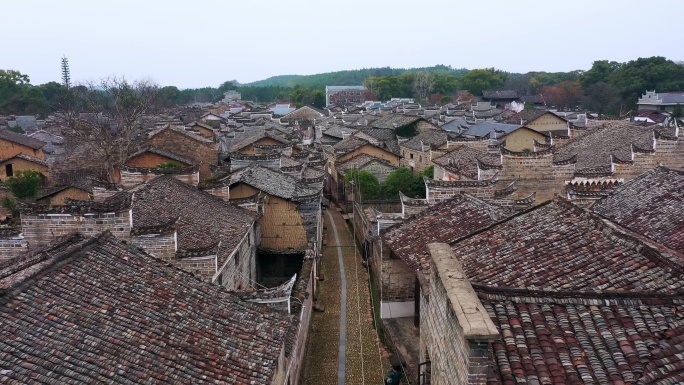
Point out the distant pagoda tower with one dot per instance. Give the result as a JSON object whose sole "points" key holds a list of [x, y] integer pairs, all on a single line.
{"points": [[66, 75]]}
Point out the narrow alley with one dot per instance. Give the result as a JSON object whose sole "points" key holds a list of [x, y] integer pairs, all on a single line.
{"points": [[343, 346]]}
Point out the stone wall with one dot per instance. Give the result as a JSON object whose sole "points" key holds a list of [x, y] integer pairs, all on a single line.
{"points": [[397, 279], [416, 160], [41, 229], [162, 246], [10, 248], [239, 269], [455, 330]]}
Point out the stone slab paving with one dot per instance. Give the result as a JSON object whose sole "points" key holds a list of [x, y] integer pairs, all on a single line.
{"points": [[365, 361]]}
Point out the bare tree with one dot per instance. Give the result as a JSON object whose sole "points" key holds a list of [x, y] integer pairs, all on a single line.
{"points": [[423, 84], [106, 116]]}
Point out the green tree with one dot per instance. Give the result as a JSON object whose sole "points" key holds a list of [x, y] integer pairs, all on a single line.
{"points": [[632, 79], [599, 73], [479, 80], [678, 111], [25, 184], [403, 180], [367, 183]]}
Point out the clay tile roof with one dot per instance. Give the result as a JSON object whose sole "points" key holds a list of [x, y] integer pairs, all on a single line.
{"points": [[444, 222], [21, 139], [96, 310], [205, 220], [651, 205], [612, 140], [560, 340], [274, 183], [560, 247]]}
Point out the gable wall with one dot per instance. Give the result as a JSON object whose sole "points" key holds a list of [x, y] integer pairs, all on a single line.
{"points": [[373, 151], [203, 154], [71, 193], [19, 164], [41, 229], [9, 149], [282, 226], [521, 140], [547, 122]]}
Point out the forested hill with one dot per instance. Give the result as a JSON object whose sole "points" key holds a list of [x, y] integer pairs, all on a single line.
{"points": [[350, 77]]}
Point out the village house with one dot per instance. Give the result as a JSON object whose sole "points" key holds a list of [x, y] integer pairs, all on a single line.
{"points": [[578, 314], [20, 153], [651, 205], [176, 140], [345, 150], [417, 152], [290, 217], [540, 120], [663, 101], [134, 298], [171, 220], [203, 129], [150, 162], [344, 94], [54, 148]]}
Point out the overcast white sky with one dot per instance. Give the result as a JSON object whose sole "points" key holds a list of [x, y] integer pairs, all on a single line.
{"points": [[203, 43]]}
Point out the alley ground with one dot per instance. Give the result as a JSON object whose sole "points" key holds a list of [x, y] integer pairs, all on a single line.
{"points": [[363, 359]]}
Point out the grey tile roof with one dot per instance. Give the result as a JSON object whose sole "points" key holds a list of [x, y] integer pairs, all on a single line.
{"points": [[395, 121], [263, 134], [611, 139], [274, 183], [339, 131], [359, 161], [203, 219], [463, 160], [90, 311], [349, 144], [493, 129], [21, 139], [386, 138], [427, 139], [651, 205]]}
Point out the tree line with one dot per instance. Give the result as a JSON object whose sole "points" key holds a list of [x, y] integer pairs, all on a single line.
{"points": [[608, 87]]}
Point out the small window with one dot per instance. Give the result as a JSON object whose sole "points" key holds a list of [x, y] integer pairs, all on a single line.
{"points": [[8, 170], [411, 156]]}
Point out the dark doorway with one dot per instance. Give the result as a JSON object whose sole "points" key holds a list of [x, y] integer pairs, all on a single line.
{"points": [[276, 269], [8, 170]]}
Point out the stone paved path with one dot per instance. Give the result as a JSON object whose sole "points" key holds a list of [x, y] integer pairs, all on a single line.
{"points": [[365, 360]]}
